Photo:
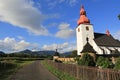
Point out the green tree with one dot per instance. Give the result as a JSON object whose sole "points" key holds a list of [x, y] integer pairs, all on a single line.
{"points": [[103, 62], [86, 60], [74, 53], [117, 64]]}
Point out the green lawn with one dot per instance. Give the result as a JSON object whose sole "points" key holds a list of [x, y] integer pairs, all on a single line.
{"points": [[8, 67]]}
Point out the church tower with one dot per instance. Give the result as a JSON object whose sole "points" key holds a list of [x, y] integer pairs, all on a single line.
{"points": [[84, 30]]}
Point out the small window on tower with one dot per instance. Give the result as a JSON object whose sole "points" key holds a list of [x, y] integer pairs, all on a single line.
{"points": [[78, 29], [87, 28]]}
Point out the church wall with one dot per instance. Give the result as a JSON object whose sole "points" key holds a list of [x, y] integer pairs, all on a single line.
{"points": [[118, 48], [97, 48], [106, 50], [111, 48], [84, 31]]}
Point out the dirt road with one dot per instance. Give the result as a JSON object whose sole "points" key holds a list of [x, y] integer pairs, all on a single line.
{"points": [[34, 71]]}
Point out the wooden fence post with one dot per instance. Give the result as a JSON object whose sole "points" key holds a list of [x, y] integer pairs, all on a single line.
{"points": [[77, 72]]}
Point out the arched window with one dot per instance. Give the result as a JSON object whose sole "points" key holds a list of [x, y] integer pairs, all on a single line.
{"points": [[78, 29], [87, 28]]}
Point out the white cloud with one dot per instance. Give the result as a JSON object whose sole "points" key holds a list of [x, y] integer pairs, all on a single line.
{"points": [[64, 47], [117, 35], [54, 3], [72, 2], [22, 13], [20, 37], [65, 31], [11, 45]]}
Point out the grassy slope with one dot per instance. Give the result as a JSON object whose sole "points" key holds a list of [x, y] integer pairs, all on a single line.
{"points": [[8, 67], [61, 75]]}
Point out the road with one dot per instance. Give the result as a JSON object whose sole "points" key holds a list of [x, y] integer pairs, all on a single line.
{"points": [[34, 71]]}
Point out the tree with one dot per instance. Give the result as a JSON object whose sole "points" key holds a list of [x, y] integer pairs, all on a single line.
{"points": [[74, 53], [103, 62], [86, 60], [119, 16]]}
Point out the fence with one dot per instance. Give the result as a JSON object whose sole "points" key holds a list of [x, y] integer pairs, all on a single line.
{"points": [[87, 73]]}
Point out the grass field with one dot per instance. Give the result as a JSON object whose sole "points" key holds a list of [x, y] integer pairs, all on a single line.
{"points": [[61, 75], [10, 66]]}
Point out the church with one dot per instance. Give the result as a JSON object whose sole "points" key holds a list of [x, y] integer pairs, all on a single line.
{"points": [[89, 41]]}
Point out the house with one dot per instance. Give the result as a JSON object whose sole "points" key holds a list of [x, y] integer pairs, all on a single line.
{"points": [[89, 41]]}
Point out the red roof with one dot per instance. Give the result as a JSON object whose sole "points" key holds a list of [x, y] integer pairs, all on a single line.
{"points": [[83, 18]]}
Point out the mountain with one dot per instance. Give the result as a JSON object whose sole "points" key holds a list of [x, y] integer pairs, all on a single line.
{"points": [[2, 52], [28, 52], [44, 53]]}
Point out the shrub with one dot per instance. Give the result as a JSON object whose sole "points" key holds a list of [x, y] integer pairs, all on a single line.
{"points": [[103, 62], [86, 60], [117, 64]]}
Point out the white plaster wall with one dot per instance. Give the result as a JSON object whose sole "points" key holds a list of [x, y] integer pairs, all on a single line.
{"points": [[82, 35], [119, 49], [112, 48], [107, 51], [97, 48]]}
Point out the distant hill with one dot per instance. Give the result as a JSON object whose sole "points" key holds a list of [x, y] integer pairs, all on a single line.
{"points": [[66, 53], [44, 53], [35, 53], [26, 51], [1, 52]]}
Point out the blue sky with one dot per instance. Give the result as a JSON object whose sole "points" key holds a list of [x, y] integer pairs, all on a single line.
{"points": [[50, 24]]}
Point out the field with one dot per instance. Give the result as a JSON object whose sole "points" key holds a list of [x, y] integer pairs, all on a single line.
{"points": [[9, 66]]}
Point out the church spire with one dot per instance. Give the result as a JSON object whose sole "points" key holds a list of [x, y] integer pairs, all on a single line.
{"points": [[107, 32], [83, 18]]}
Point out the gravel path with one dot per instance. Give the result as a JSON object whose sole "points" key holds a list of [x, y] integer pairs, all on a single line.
{"points": [[34, 71]]}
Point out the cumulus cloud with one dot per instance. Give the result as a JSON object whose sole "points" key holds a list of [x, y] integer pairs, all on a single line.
{"points": [[117, 35], [64, 47], [65, 31], [11, 45], [23, 14]]}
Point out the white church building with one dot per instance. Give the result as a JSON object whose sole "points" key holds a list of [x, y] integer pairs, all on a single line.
{"points": [[99, 42]]}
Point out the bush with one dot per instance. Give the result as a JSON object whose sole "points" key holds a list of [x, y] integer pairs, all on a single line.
{"points": [[103, 62], [86, 60], [117, 64]]}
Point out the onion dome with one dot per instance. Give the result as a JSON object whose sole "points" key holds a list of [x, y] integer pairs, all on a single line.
{"points": [[83, 18]]}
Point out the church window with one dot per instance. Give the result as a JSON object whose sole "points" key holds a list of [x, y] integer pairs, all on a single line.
{"points": [[87, 28], [78, 29]]}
